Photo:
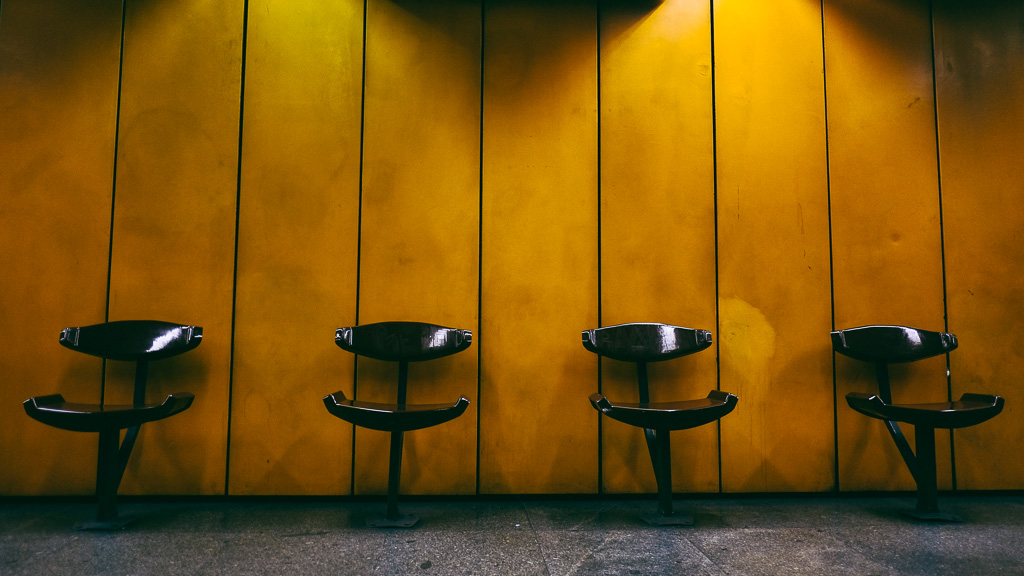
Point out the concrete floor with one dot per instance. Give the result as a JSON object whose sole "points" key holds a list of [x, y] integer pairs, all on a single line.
{"points": [[822, 536]]}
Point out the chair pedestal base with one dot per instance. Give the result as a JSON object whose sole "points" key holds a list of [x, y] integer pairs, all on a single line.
{"points": [[400, 521], [932, 516], [659, 519], [117, 523]]}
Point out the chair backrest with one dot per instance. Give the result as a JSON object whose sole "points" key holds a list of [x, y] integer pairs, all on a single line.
{"points": [[645, 342], [403, 341], [132, 340], [891, 344]]}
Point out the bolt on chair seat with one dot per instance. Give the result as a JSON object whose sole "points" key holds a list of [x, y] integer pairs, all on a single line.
{"points": [[401, 342], [884, 345], [648, 342], [140, 341]]}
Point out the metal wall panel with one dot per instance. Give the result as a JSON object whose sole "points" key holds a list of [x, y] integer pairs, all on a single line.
{"points": [[979, 52], [58, 117], [658, 222], [297, 247], [539, 248], [526, 171], [886, 234], [419, 256], [773, 249], [174, 226]]}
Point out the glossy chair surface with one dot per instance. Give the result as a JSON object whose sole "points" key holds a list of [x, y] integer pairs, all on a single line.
{"points": [[401, 342], [651, 342], [969, 410], [55, 411], [645, 341], [679, 415], [888, 344], [132, 340], [140, 341], [891, 344]]}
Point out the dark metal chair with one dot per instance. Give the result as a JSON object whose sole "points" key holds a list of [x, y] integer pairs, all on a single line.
{"points": [[643, 343], [884, 345], [401, 342], [139, 341]]}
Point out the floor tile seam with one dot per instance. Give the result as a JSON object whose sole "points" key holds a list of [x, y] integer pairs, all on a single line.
{"points": [[536, 540], [591, 554], [708, 564], [723, 570], [832, 544]]}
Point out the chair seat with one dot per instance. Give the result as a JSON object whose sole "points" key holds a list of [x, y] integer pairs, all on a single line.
{"points": [[55, 411], [668, 415], [391, 417], [971, 409]]}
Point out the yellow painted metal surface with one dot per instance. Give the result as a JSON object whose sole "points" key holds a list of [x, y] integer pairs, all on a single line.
{"points": [[420, 220], [658, 222], [980, 86], [539, 261], [527, 242], [886, 239], [174, 227], [774, 300], [58, 103], [297, 254]]}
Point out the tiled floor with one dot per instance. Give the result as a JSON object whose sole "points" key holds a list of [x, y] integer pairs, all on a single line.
{"points": [[824, 536]]}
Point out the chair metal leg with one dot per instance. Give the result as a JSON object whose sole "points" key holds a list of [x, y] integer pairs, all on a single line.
{"points": [[663, 474], [108, 477], [927, 481], [394, 519]]}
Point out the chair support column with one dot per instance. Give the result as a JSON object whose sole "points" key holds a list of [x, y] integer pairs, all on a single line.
{"points": [[927, 483], [885, 393], [395, 474], [108, 477], [138, 400], [663, 472], [645, 398], [112, 461], [927, 480], [393, 518], [662, 451]]}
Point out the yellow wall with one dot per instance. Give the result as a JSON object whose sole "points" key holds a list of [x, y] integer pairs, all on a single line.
{"points": [[886, 231], [658, 222], [767, 171]]}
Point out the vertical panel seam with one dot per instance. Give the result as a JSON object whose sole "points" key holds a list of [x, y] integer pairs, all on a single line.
{"points": [[480, 249], [942, 231], [113, 192], [359, 240], [238, 211], [714, 194], [600, 310], [831, 263]]}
